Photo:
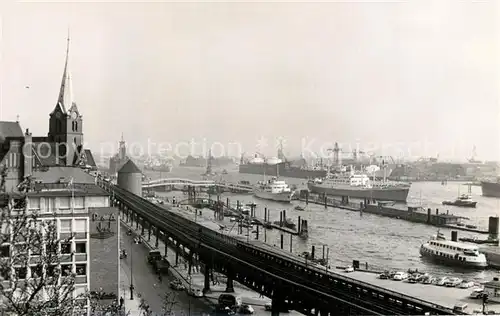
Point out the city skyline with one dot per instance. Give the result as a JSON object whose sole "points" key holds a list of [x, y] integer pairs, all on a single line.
{"points": [[238, 73]]}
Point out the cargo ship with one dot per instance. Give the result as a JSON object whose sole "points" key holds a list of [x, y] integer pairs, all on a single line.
{"points": [[191, 161], [360, 186], [491, 188], [286, 169], [158, 167]]}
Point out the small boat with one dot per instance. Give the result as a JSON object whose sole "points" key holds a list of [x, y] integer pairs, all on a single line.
{"points": [[287, 223], [299, 208], [463, 200]]}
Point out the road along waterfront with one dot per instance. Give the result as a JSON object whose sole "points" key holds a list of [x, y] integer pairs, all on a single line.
{"points": [[146, 282]]}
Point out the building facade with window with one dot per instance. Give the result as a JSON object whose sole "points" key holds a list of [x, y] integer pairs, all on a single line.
{"points": [[67, 211]]}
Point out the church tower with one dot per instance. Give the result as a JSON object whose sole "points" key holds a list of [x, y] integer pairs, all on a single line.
{"points": [[66, 123]]}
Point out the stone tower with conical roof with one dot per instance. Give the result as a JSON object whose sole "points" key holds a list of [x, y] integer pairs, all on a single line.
{"points": [[66, 122]]}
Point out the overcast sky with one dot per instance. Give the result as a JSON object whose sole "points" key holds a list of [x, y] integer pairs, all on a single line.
{"points": [[412, 73]]}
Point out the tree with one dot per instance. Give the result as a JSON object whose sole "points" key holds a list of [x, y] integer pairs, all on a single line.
{"points": [[144, 307], [169, 301], [32, 281], [113, 309]]}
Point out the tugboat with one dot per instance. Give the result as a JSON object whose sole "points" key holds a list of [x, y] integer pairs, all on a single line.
{"points": [[463, 200]]}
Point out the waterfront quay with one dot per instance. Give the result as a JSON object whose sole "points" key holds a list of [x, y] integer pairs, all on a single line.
{"points": [[440, 295]]}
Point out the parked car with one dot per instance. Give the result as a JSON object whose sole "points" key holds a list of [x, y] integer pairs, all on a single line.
{"points": [[224, 310], [177, 285], [429, 280], [452, 282], [384, 275], [246, 309], [268, 307], [400, 276], [349, 269], [195, 292], [466, 284], [442, 281], [412, 279]]}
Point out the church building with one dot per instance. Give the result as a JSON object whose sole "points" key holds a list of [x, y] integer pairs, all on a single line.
{"points": [[49, 158]]}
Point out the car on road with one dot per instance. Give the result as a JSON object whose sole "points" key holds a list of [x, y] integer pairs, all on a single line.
{"points": [[477, 293], [153, 256], [349, 269], [161, 266]]}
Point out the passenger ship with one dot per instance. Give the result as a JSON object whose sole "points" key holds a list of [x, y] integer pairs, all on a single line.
{"points": [[274, 190], [453, 253]]}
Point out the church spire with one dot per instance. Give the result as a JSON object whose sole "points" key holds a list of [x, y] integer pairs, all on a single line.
{"points": [[65, 100]]}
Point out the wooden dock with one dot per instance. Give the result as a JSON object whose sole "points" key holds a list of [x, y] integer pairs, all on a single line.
{"points": [[411, 214]]}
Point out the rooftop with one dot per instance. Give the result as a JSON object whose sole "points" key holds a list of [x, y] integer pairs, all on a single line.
{"points": [[56, 173], [10, 129], [129, 167], [63, 189]]}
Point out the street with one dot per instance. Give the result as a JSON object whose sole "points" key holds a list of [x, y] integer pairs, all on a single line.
{"points": [[147, 285]]}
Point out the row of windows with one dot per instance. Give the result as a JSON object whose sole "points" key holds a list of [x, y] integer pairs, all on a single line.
{"points": [[77, 247], [36, 271], [63, 203], [446, 246], [445, 255], [71, 225]]}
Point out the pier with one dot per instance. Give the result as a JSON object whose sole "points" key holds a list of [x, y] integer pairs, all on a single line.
{"points": [[408, 213], [170, 184]]}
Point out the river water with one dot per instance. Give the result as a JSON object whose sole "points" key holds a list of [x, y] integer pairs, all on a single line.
{"points": [[382, 242]]}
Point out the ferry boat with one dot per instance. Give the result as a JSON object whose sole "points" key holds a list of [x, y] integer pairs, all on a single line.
{"points": [[274, 190], [453, 253], [463, 200], [359, 185]]}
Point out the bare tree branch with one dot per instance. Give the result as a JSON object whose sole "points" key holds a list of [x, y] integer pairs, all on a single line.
{"points": [[32, 280], [169, 302]]}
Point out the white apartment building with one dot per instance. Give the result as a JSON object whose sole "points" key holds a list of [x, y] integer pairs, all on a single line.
{"points": [[69, 208]]}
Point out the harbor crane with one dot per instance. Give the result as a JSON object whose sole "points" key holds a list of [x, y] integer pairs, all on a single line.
{"points": [[337, 151]]}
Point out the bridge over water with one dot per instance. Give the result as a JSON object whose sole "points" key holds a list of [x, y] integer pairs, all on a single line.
{"points": [[305, 288], [172, 182]]}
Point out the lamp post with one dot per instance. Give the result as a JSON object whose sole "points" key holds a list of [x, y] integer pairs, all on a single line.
{"points": [[131, 269]]}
